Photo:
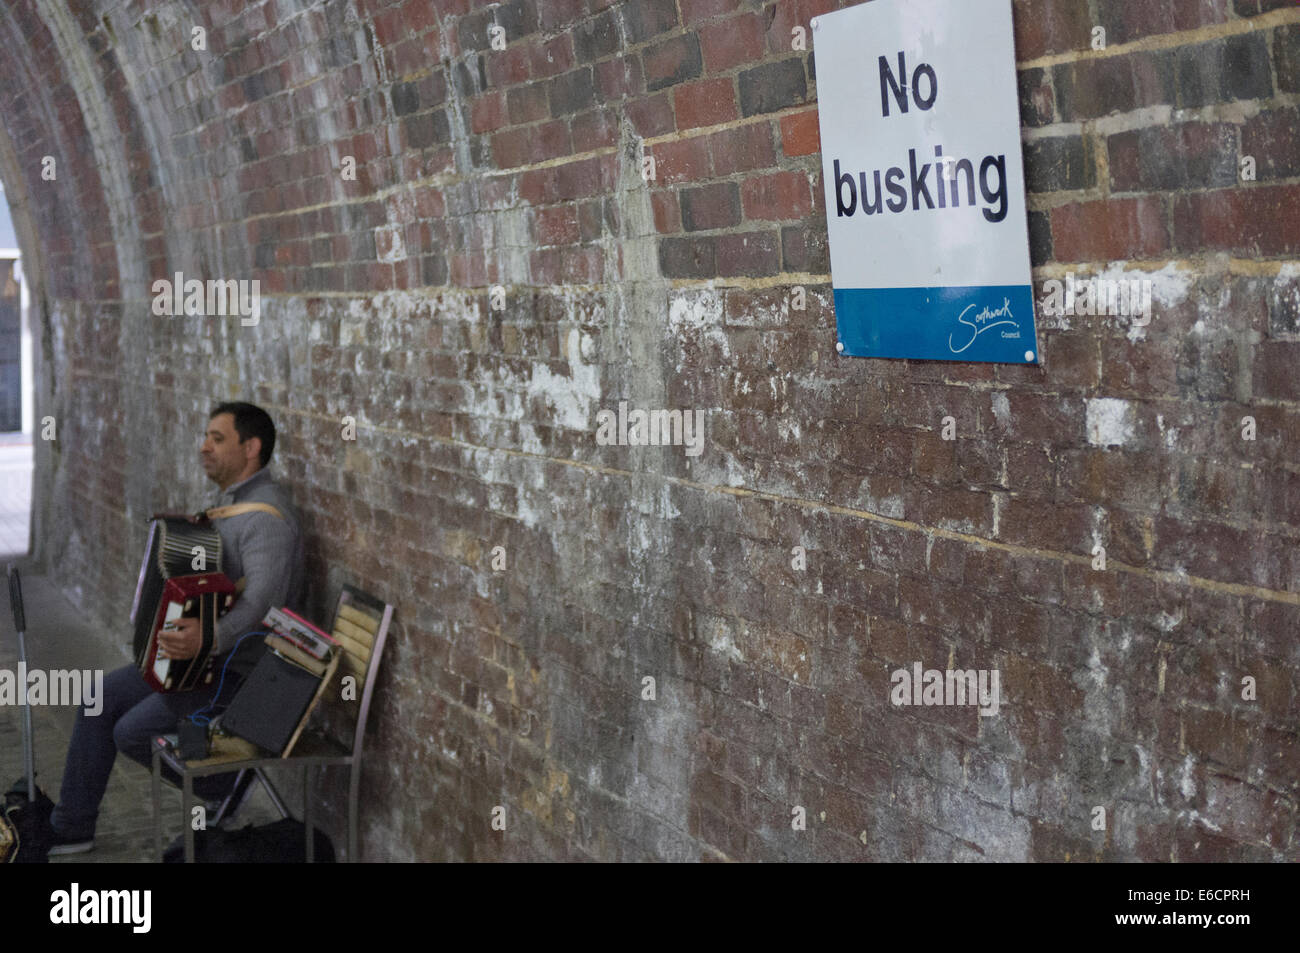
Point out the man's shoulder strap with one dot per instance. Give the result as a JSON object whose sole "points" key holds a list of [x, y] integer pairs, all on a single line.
{"points": [[238, 509]]}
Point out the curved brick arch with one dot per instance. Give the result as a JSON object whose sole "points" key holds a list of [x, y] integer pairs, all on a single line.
{"points": [[500, 271], [71, 262]]}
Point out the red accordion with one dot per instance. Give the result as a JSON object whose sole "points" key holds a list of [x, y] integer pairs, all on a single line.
{"points": [[170, 588]]}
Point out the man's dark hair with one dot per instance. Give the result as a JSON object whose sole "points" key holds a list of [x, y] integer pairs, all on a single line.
{"points": [[250, 421]]}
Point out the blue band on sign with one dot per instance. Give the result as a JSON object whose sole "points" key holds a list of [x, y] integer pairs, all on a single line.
{"points": [[988, 324]]}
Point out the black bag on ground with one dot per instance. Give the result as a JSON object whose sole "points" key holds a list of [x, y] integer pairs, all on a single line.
{"points": [[26, 834], [284, 842]]}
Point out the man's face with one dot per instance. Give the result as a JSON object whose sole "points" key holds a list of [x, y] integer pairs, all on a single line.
{"points": [[224, 456]]}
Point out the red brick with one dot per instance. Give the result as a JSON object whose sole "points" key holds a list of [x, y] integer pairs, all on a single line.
{"points": [[389, 27], [647, 18], [686, 160], [557, 13], [557, 225], [488, 112], [516, 147], [429, 203], [668, 216], [1109, 230], [1037, 101], [618, 77], [544, 266], [509, 66], [1273, 139], [595, 129], [1092, 87], [818, 8], [537, 186], [527, 103], [1257, 221], [800, 133], [1213, 550], [582, 265], [706, 103], [731, 43], [553, 57], [1050, 26], [595, 217], [652, 115], [419, 16], [956, 508], [673, 61], [496, 193], [696, 11], [1186, 156], [742, 149], [1129, 20], [1073, 359], [409, 57], [583, 178], [710, 206], [782, 18], [780, 196], [1286, 57], [752, 254], [1277, 370], [690, 257], [1124, 158]]}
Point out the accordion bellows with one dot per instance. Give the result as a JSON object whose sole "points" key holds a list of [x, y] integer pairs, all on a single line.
{"points": [[180, 577]]}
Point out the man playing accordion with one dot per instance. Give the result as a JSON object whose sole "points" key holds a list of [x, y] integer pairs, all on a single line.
{"points": [[263, 546]]}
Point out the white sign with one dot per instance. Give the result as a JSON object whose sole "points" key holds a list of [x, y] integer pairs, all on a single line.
{"points": [[925, 193]]}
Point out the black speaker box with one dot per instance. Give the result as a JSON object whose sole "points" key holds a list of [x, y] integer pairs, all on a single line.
{"points": [[270, 702]]}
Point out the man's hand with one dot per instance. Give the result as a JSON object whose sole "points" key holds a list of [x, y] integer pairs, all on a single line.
{"points": [[182, 643]]}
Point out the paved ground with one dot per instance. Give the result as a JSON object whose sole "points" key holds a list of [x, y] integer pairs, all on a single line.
{"points": [[57, 638]]}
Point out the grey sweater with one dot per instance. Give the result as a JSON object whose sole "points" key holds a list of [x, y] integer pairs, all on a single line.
{"points": [[267, 552]]}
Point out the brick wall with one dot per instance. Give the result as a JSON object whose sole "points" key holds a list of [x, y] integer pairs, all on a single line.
{"points": [[506, 145]]}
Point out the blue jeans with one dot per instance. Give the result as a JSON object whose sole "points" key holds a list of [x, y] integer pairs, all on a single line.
{"points": [[132, 716]]}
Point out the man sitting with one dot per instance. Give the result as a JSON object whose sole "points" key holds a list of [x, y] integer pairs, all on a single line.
{"points": [[264, 549]]}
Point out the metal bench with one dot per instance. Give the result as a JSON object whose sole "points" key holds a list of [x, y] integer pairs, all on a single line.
{"points": [[361, 624]]}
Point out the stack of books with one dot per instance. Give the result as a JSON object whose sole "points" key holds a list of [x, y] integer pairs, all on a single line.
{"points": [[298, 641]]}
